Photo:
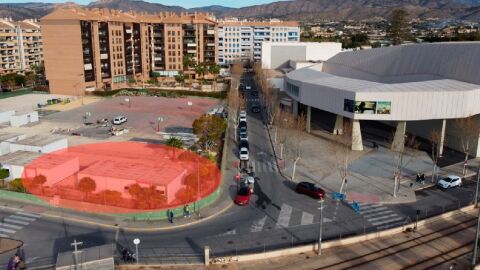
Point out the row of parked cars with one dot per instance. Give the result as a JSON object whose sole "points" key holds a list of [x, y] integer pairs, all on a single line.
{"points": [[243, 135]]}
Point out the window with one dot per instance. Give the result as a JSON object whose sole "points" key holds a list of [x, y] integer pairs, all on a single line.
{"points": [[293, 89]]}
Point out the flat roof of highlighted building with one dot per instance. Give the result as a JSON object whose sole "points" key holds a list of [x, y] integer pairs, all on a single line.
{"points": [[411, 82]]}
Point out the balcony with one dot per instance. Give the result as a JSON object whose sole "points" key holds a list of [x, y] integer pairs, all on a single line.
{"points": [[191, 45]]}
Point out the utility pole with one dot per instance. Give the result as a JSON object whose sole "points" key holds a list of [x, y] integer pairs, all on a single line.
{"points": [[319, 248], [75, 244]]}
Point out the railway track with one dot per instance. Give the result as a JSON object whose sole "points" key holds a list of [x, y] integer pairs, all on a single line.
{"points": [[458, 237]]}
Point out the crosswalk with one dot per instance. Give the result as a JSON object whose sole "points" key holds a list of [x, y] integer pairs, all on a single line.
{"points": [[252, 99], [288, 217], [11, 224], [264, 166], [381, 216]]}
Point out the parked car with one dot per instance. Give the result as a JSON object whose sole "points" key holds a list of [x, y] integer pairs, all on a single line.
{"points": [[254, 93], [241, 87], [255, 108], [242, 124], [243, 116], [310, 189], [248, 87], [244, 137], [243, 144], [243, 153], [243, 196], [243, 130], [450, 182], [118, 120]]}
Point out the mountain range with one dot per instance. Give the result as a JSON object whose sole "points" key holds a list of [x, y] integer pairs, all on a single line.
{"points": [[302, 10]]}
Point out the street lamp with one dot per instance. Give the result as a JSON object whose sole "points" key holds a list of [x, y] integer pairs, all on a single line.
{"points": [[198, 188], [160, 119], [136, 241], [319, 248]]}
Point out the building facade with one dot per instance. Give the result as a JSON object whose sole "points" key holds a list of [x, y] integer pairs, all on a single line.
{"points": [[99, 49], [242, 40], [21, 45], [416, 88]]}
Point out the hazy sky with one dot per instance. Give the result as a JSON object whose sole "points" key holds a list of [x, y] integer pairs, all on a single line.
{"points": [[184, 3]]}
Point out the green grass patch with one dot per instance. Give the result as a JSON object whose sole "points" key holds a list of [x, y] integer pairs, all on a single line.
{"points": [[15, 93]]}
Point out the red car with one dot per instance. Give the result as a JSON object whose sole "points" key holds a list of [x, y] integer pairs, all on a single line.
{"points": [[310, 189], [243, 196]]}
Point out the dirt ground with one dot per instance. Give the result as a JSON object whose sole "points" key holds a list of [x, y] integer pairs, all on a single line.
{"points": [[7, 244]]}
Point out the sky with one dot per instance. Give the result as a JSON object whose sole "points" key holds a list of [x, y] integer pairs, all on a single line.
{"points": [[184, 3]]}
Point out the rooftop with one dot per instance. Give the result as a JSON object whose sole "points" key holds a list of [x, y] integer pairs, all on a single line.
{"points": [[19, 158], [8, 136], [38, 140]]}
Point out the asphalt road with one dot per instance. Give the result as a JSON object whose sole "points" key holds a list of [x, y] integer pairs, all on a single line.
{"points": [[276, 217]]}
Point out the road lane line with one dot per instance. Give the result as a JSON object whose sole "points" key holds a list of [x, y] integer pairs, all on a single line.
{"points": [[29, 214], [16, 221], [386, 221], [7, 230], [258, 224], [22, 218], [284, 216], [378, 213], [382, 217], [307, 219], [16, 227]]}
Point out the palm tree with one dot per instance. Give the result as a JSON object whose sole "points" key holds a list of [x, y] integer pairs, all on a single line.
{"points": [[200, 70], [215, 70], [188, 63]]}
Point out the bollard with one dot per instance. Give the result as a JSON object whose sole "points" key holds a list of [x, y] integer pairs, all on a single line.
{"points": [[207, 255]]}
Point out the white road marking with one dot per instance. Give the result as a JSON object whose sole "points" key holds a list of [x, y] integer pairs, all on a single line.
{"points": [[4, 235], [284, 216], [31, 260], [7, 230], [382, 217], [23, 218], [11, 226], [372, 210], [16, 221], [386, 221], [307, 218], [378, 213], [28, 214], [258, 224]]}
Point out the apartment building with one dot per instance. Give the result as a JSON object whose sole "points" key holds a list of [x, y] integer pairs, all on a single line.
{"points": [[99, 49], [20, 45], [242, 40]]}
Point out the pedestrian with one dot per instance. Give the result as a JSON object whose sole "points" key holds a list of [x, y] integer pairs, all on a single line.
{"points": [[124, 254], [418, 178], [10, 264], [411, 184], [21, 264], [186, 211], [170, 216], [422, 178]]}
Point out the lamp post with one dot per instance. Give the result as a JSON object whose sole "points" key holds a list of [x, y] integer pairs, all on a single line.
{"points": [[198, 188], [319, 248], [136, 241], [160, 119]]}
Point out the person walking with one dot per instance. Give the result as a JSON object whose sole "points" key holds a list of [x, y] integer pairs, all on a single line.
{"points": [[170, 216], [422, 179], [418, 178], [186, 211]]}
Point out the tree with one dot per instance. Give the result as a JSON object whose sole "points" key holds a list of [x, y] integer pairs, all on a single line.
{"points": [[17, 185], [468, 130], [235, 104], [214, 69], [342, 148], [401, 157], [297, 138], [20, 80], [436, 141], [188, 63], [8, 81], [398, 29], [4, 173], [87, 185], [283, 124], [174, 142], [112, 197], [180, 78], [236, 71], [209, 128], [201, 69]]}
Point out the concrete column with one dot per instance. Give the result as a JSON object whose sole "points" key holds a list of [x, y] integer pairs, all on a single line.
{"points": [[338, 128], [309, 119], [357, 142], [207, 255], [295, 109], [442, 138], [398, 142]]}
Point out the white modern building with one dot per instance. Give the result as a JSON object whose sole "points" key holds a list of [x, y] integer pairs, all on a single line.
{"points": [[416, 88], [40, 144], [279, 54], [242, 40]]}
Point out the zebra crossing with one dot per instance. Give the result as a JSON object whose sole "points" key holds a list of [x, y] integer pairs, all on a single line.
{"points": [[11, 224], [287, 217], [381, 216]]}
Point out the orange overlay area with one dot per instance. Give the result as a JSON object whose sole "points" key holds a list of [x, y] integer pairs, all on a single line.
{"points": [[121, 177]]}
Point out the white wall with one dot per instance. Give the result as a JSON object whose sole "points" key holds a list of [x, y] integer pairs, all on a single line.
{"points": [[5, 116], [277, 83], [23, 119], [15, 171], [54, 146], [5, 145]]}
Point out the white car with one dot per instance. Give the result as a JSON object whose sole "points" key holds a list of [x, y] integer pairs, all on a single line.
{"points": [[449, 182], [118, 120], [244, 137], [243, 153], [243, 113], [248, 87], [243, 116]]}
